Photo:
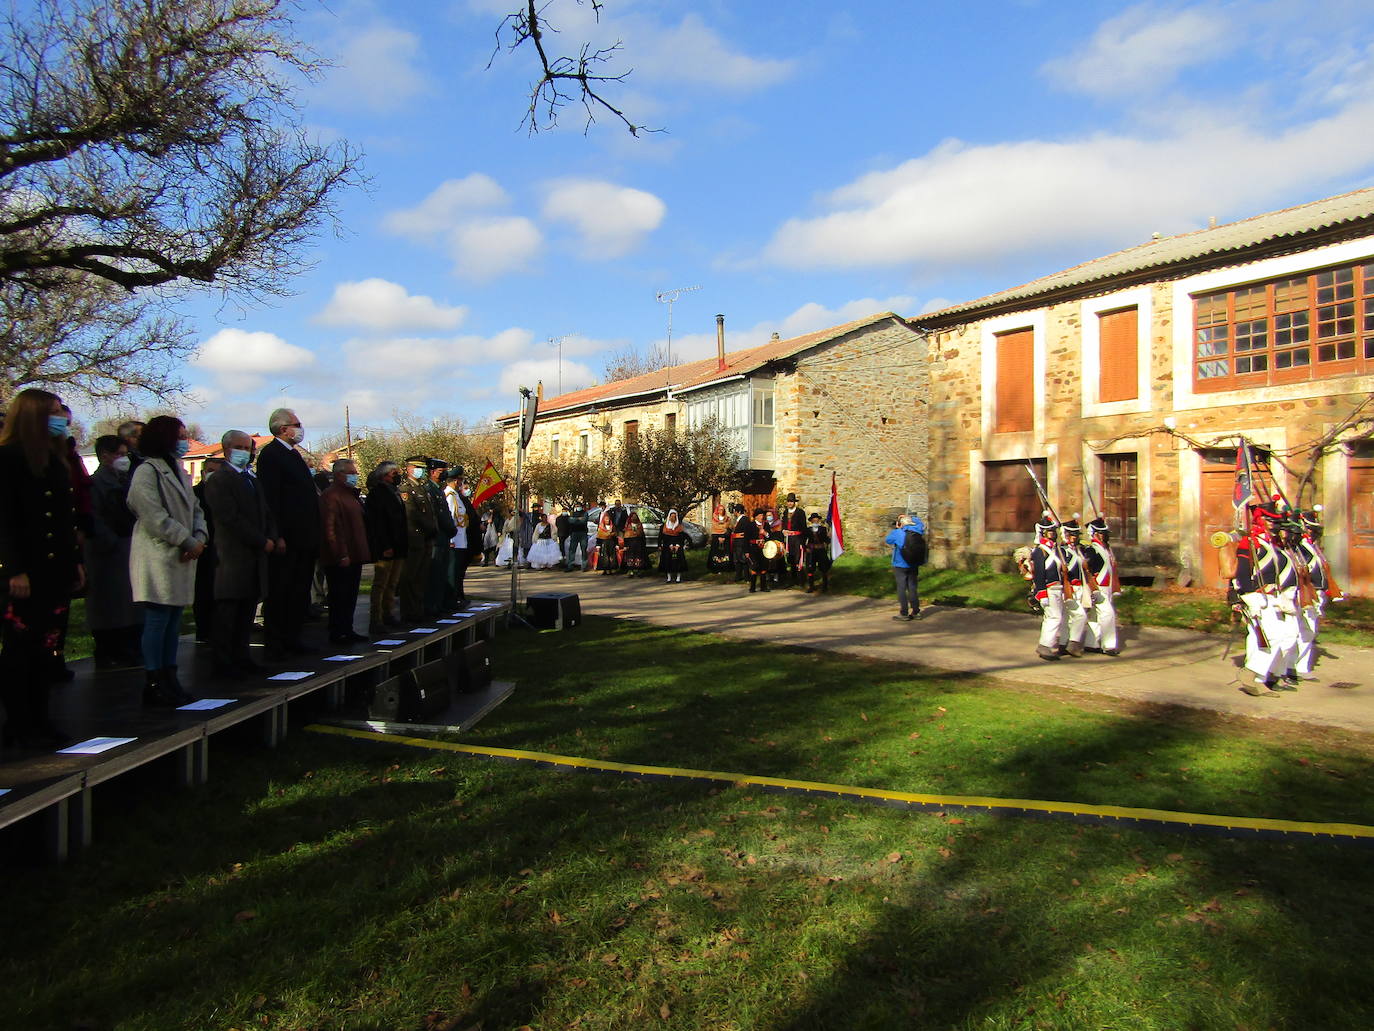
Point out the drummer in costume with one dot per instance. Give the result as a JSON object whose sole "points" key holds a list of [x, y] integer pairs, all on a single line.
{"points": [[1313, 566], [636, 552], [1048, 584], [794, 534], [756, 540], [1105, 583], [816, 553], [776, 556], [719, 559], [1267, 584], [739, 541], [672, 548]]}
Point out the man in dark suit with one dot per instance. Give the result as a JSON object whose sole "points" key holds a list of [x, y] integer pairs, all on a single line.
{"points": [[288, 485], [245, 537]]}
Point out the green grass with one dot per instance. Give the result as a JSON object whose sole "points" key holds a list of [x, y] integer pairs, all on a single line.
{"points": [[870, 576], [342, 884]]}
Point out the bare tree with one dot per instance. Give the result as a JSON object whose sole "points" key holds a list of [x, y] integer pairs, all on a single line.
{"points": [[565, 79], [630, 361]]}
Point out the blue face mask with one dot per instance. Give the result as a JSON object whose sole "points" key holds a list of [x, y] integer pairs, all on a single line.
{"points": [[182, 447], [240, 457], [417, 473], [58, 425], [351, 479]]}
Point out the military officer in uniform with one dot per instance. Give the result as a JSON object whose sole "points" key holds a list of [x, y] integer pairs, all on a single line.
{"points": [[421, 531], [1314, 593], [1266, 586], [1078, 597], [1104, 584], [1049, 583]]}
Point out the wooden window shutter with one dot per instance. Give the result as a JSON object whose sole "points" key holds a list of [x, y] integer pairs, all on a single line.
{"points": [[1015, 411], [1118, 355]]}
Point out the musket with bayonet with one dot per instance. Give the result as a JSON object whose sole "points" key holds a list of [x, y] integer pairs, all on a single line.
{"points": [[1059, 555]]}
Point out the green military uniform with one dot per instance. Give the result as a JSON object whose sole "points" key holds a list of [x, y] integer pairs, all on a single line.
{"points": [[421, 530]]}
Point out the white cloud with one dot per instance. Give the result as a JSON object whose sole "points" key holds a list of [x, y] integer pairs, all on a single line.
{"points": [[243, 360], [963, 203], [449, 203], [809, 318], [437, 359], [1143, 49], [486, 248], [383, 306], [612, 220], [374, 68], [529, 371], [694, 53]]}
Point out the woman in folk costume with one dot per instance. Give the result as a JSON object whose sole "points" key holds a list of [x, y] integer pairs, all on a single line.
{"points": [[1105, 584], [607, 557], [719, 559], [816, 553], [776, 556], [510, 535], [755, 537], [636, 552], [672, 548], [544, 553]]}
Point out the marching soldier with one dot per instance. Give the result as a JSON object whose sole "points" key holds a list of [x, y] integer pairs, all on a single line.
{"points": [[1267, 584], [1049, 583], [421, 531], [1101, 634], [1078, 597], [1312, 566], [793, 535]]}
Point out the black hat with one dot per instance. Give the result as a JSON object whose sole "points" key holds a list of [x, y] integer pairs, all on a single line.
{"points": [[791, 497], [1046, 525], [1311, 518], [1099, 526], [437, 463], [1071, 528], [418, 460], [455, 473], [814, 517]]}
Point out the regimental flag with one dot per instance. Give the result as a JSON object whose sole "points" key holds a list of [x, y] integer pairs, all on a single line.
{"points": [[488, 485], [836, 525]]}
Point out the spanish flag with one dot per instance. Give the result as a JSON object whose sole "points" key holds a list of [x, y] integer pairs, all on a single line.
{"points": [[488, 485], [836, 526]]}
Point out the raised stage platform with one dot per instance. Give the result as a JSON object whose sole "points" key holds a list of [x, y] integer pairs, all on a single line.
{"points": [[113, 733]]}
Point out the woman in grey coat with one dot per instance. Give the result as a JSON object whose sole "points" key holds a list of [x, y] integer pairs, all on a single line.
{"points": [[169, 535]]}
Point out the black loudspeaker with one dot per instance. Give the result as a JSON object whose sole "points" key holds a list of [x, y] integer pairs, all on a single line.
{"points": [[554, 611], [414, 696], [471, 668]]}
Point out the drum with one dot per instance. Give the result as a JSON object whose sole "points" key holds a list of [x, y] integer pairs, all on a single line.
{"points": [[771, 549]]}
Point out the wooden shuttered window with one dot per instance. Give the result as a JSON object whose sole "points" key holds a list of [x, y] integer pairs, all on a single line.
{"points": [[1010, 501], [1120, 499], [1118, 335], [1015, 398]]}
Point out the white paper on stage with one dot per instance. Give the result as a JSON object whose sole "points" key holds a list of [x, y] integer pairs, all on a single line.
{"points": [[424, 630], [96, 745], [388, 644], [295, 675], [341, 658], [206, 703], [450, 622]]}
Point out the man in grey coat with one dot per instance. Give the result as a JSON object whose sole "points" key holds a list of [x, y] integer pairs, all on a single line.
{"points": [[245, 534], [115, 621]]}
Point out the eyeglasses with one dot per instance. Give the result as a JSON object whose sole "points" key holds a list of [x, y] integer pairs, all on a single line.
{"points": [[295, 424]]}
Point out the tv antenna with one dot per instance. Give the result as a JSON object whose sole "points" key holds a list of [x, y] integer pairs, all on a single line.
{"points": [[558, 343], [668, 297]]}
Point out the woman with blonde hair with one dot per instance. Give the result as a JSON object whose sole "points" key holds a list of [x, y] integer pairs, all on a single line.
{"points": [[169, 536], [40, 561]]}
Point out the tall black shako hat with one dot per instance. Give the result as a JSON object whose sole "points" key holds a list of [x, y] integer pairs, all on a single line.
{"points": [[1047, 525], [1100, 528], [1071, 529]]}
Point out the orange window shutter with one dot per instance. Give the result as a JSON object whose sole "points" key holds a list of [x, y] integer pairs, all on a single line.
{"points": [[1118, 355], [1015, 411]]}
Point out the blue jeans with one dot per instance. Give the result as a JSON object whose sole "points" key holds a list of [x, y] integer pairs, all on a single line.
{"points": [[576, 542], [908, 590], [161, 635]]}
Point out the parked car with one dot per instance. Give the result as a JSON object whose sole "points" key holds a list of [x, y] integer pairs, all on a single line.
{"points": [[652, 519]]}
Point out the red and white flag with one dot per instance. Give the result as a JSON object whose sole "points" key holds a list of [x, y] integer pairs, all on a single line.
{"points": [[836, 526]]}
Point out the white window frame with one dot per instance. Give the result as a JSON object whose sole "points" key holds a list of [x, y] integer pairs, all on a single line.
{"points": [[1091, 352], [999, 447]]}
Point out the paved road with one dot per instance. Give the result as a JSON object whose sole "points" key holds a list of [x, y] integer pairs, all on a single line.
{"points": [[1156, 664]]}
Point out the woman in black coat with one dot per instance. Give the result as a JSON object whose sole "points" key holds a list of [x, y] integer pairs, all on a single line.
{"points": [[40, 561]]}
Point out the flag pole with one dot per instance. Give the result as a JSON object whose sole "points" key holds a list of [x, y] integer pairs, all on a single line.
{"points": [[519, 493]]}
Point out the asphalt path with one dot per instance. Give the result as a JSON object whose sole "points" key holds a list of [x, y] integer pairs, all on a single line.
{"points": [[1156, 664]]}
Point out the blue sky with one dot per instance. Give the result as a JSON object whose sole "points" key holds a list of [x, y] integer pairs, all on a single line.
{"points": [[819, 162]]}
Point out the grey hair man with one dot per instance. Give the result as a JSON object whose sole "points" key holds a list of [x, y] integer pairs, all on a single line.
{"points": [[288, 485]]}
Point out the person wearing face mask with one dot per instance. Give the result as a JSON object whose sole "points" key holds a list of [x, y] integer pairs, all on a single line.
{"points": [[288, 485], [203, 608], [388, 542], [169, 536], [467, 540], [245, 538], [421, 530], [345, 549], [111, 615], [755, 537], [40, 561]]}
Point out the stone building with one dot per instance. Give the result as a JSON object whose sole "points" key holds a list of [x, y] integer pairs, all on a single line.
{"points": [[1127, 380], [849, 400]]}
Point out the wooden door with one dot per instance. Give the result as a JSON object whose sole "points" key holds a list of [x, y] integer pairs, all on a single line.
{"points": [[760, 491], [1360, 505], [1218, 512]]}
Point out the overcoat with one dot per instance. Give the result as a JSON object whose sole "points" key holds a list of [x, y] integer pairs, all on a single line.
{"points": [[243, 525], [168, 521], [109, 597]]}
